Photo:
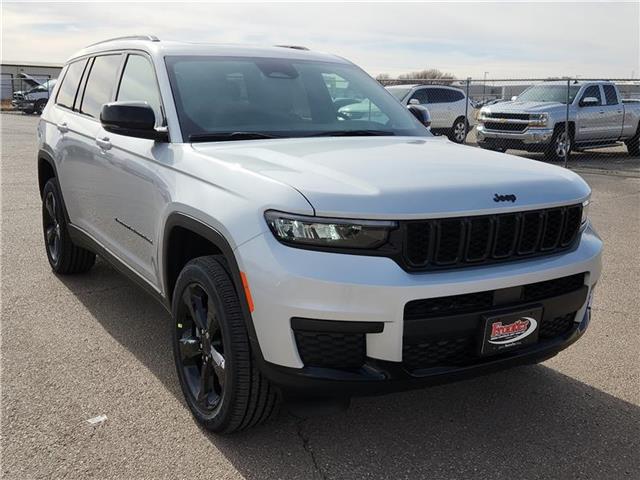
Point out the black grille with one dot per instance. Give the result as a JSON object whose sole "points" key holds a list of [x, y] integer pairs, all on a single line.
{"points": [[464, 351], [506, 127], [510, 116], [457, 351], [331, 350], [557, 326], [457, 242], [480, 301]]}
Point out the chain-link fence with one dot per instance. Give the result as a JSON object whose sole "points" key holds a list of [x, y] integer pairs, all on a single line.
{"points": [[28, 94], [551, 119]]}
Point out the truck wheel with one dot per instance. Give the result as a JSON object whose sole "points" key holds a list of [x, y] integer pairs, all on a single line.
{"points": [[39, 106], [633, 144], [458, 132], [560, 142], [64, 256], [222, 385]]}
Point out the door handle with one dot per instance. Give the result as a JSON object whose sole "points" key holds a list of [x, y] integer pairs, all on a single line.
{"points": [[601, 112], [62, 127], [103, 143]]}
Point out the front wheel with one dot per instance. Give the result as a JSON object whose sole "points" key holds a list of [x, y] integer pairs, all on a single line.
{"points": [[559, 147], [221, 383], [458, 132]]}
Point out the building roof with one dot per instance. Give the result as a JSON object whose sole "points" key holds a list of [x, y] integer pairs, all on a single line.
{"points": [[11, 63]]}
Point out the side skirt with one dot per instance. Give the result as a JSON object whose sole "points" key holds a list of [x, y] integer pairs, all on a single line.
{"points": [[80, 238]]}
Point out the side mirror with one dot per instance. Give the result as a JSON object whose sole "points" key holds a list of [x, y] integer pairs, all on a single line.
{"points": [[514, 98], [421, 113], [589, 102], [133, 119], [414, 101]]}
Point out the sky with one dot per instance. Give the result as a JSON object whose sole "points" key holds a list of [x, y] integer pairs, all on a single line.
{"points": [[506, 40]]}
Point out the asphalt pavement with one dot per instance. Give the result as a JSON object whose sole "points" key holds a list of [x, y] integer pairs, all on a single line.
{"points": [[74, 348]]}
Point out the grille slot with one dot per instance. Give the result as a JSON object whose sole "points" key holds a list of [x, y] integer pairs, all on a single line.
{"points": [[479, 301], [457, 242], [510, 116], [506, 127]]}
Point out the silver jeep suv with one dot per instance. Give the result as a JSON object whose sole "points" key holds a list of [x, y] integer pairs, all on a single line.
{"points": [[302, 251]]}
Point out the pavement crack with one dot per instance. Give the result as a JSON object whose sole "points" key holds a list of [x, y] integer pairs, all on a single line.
{"points": [[307, 447]]}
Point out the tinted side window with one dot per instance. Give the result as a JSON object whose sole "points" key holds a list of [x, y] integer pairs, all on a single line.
{"points": [[421, 95], [438, 95], [69, 85], [100, 84], [610, 94], [139, 84], [593, 91], [454, 95]]}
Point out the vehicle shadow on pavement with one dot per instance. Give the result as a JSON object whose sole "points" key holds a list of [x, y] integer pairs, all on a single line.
{"points": [[529, 422]]}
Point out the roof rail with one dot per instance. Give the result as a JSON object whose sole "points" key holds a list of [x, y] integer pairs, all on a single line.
{"points": [[295, 47], [150, 38]]}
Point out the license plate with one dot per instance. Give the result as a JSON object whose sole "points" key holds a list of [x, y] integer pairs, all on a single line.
{"points": [[510, 330]]}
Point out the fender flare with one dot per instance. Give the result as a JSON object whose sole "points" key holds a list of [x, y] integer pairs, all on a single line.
{"points": [[177, 219]]}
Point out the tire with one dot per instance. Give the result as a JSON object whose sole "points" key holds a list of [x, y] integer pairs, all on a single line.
{"points": [[633, 144], [459, 130], [221, 383], [39, 106], [64, 256], [555, 150]]}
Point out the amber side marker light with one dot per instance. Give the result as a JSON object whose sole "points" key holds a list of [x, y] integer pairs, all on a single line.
{"points": [[247, 291]]}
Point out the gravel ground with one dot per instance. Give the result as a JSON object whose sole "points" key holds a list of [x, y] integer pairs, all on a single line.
{"points": [[77, 347]]}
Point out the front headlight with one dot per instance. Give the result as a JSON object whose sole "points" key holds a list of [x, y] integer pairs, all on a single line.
{"points": [[538, 119], [328, 232], [585, 212], [483, 115]]}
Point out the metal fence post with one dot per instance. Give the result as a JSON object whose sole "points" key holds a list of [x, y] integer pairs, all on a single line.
{"points": [[466, 111], [566, 128]]}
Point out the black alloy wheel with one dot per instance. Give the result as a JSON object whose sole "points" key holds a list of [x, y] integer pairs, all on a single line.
{"points": [[201, 349]]}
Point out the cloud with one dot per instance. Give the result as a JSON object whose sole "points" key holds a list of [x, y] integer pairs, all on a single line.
{"points": [[467, 39]]}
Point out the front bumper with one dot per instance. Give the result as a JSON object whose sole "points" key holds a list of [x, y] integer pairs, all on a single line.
{"points": [[529, 137], [22, 104], [288, 283]]}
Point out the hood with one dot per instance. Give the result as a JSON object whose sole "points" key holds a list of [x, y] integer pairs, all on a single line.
{"points": [[29, 80], [401, 177], [523, 107]]}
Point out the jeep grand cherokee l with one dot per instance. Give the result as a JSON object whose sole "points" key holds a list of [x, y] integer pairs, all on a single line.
{"points": [[301, 251]]}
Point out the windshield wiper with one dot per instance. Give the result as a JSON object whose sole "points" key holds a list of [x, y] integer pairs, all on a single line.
{"points": [[225, 136], [354, 133]]}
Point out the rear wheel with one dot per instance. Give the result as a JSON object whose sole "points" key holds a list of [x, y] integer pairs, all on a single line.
{"points": [[560, 145], [633, 144], [458, 132], [221, 383], [64, 256]]}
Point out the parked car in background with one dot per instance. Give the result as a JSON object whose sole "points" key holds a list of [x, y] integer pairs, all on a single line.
{"points": [[34, 99], [451, 113], [535, 120]]}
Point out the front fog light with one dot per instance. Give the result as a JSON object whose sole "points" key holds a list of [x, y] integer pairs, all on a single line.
{"points": [[328, 232]]}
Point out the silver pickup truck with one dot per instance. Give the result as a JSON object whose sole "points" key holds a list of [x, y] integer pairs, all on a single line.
{"points": [[535, 120]]}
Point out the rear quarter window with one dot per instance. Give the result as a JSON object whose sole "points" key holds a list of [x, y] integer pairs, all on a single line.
{"points": [[69, 85]]}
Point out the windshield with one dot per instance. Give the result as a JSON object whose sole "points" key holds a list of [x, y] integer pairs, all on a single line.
{"points": [[398, 92], [549, 93], [269, 97]]}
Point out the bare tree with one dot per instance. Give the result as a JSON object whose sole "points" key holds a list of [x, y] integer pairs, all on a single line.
{"points": [[432, 75]]}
